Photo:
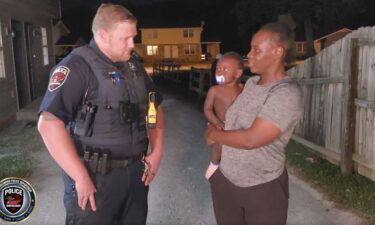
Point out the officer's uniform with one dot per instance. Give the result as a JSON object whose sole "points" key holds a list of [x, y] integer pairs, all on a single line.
{"points": [[114, 92]]}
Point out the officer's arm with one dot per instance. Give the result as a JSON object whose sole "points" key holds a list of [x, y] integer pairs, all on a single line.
{"points": [[156, 134], [156, 141], [62, 149]]}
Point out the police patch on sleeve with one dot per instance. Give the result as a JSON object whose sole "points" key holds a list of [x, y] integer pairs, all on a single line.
{"points": [[58, 78]]}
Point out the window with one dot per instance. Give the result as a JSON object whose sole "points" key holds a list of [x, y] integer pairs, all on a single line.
{"points": [[44, 46], [2, 66], [152, 49], [301, 47], [153, 34], [189, 49], [188, 33]]}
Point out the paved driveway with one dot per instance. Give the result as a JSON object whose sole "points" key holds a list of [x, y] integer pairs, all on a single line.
{"points": [[180, 194]]}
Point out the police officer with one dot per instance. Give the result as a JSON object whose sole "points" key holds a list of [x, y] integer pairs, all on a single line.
{"points": [[93, 122]]}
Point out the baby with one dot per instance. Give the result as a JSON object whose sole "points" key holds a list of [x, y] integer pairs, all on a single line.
{"points": [[228, 69]]}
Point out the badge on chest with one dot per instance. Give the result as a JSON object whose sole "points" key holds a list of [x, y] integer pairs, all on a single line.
{"points": [[115, 77]]}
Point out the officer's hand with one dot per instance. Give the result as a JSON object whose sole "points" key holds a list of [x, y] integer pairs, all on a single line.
{"points": [[85, 192], [152, 167]]}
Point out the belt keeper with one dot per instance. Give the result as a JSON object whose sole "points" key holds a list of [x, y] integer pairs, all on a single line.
{"points": [[104, 167], [94, 164], [100, 165], [86, 156]]}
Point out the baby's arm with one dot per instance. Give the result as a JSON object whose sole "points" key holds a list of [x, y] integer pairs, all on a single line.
{"points": [[209, 109]]}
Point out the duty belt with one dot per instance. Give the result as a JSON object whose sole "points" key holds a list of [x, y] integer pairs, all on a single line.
{"points": [[100, 162]]}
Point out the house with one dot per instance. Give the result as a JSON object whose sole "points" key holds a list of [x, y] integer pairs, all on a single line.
{"points": [[182, 44], [58, 32], [64, 40], [66, 44], [321, 43], [26, 52]]}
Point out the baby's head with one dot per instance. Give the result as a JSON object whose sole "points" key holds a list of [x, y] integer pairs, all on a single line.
{"points": [[229, 68]]}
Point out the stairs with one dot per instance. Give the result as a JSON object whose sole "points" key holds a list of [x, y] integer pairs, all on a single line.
{"points": [[29, 112]]}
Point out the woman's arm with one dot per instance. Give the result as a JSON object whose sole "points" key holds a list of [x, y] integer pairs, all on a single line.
{"points": [[284, 106], [260, 133]]}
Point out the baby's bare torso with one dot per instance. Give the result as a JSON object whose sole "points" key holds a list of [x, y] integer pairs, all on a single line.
{"points": [[225, 96]]}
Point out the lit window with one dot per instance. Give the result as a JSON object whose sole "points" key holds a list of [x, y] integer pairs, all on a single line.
{"points": [[152, 49], [2, 67], [153, 34], [188, 33], [189, 49], [301, 47], [44, 46]]}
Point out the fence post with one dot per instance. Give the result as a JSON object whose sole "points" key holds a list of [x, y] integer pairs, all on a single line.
{"points": [[201, 82], [349, 115], [191, 79]]}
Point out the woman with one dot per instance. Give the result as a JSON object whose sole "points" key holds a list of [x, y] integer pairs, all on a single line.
{"points": [[251, 186]]}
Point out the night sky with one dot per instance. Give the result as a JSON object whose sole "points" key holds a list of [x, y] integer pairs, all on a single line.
{"points": [[230, 21]]}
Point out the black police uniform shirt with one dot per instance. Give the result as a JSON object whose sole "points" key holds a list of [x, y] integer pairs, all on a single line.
{"points": [[69, 81]]}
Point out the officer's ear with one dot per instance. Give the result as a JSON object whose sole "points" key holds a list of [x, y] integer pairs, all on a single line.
{"points": [[103, 35]]}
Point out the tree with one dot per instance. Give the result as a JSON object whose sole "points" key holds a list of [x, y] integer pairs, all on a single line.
{"points": [[315, 16]]}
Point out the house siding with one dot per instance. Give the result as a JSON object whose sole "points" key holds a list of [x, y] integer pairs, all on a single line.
{"points": [[34, 15], [323, 42], [332, 39], [182, 57], [213, 49], [172, 37]]}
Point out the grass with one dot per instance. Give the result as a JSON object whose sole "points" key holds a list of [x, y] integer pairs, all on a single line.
{"points": [[17, 143], [16, 165], [354, 191]]}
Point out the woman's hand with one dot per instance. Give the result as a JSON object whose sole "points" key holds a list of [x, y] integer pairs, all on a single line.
{"points": [[220, 126]]}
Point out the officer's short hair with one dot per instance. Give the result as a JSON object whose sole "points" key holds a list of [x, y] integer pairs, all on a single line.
{"points": [[109, 14], [236, 57]]}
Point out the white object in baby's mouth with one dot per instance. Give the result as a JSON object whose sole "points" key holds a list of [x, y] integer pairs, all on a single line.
{"points": [[220, 79]]}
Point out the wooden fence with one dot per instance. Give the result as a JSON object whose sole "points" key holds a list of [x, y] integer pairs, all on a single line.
{"points": [[199, 81], [167, 70], [339, 97]]}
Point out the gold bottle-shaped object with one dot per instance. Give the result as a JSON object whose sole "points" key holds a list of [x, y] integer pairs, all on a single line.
{"points": [[151, 112]]}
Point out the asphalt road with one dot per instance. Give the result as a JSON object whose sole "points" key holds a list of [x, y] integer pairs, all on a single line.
{"points": [[180, 194]]}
